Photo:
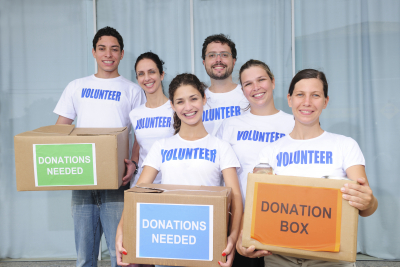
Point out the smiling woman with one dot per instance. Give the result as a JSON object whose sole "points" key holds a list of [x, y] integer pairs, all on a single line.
{"points": [[329, 154], [191, 156]]}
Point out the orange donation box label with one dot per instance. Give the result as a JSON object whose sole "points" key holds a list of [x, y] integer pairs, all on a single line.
{"points": [[300, 217]]}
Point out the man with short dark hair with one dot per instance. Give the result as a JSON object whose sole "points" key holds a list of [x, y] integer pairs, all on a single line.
{"points": [[225, 98], [102, 100]]}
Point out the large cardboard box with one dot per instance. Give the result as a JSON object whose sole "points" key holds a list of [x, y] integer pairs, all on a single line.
{"points": [[300, 217], [176, 225], [62, 157]]}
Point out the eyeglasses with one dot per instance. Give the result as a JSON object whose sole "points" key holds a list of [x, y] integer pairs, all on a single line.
{"points": [[213, 55]]}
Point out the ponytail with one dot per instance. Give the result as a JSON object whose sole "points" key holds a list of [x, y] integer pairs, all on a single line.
{"points": [[177, 123]]}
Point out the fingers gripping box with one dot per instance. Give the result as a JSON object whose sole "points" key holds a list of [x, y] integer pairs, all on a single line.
{"points": [[62, 157], [300, 217], [175, 224]]}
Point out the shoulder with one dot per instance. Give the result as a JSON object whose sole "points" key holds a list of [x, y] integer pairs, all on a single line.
{"points": [[129, 83], [80, 81], [339, 138]]}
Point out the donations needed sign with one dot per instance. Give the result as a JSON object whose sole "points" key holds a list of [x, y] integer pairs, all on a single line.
{"points": [[174, 231], [64, 164]]}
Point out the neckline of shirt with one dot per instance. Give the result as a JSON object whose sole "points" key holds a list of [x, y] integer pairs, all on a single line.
{"points": [[223, 94], [109, 79], [166, 103], [308, 140], [198, 140]]}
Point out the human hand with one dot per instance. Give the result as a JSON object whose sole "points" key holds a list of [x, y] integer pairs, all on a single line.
{"points": [[359, 195], [130, 169], [251, 251], [119, 250]]}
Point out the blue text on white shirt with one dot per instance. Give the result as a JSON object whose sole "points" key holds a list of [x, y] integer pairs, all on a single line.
{"points": [[221, 113], [153, 122], [188, 153], [259, 136], [304, 157], [101, 94]]}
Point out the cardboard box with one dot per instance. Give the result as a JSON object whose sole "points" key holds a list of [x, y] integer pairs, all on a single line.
{"points": [[176, 225], [62, 157], [300, 217]]}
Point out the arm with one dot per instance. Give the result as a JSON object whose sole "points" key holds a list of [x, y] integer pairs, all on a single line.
{"points": [[63, 120], [148, 175], [119, 249], [130, 167], [359, 196], [231, 180]]}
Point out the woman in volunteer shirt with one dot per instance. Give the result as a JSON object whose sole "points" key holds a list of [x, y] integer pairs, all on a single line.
{"points": [[151, 121], [252, 131], [332, 155], [192, 156]]}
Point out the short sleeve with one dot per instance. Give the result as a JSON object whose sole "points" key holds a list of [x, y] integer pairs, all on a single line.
{"points": [[228, 157], [139, 97], [154, 157], [220, 132], [266, 155], [65, 106], [352, 154]]}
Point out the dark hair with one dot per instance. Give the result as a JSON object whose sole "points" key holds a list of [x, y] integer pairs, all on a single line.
{"points": [[255, 63], [154, 57], [178, 81], [309, 74], [218, 38], [108, 31]]}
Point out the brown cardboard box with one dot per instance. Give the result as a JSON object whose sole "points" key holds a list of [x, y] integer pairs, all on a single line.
{"points": [[41, 166], [347, 223], [167, 233]]}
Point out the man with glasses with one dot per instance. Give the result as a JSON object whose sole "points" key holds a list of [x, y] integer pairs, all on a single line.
{"points": [[225, 98]]}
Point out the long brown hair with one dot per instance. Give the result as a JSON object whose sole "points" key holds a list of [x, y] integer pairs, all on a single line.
{"points": [[178, 81]]}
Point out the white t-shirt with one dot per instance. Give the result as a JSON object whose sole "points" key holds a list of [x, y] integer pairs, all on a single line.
{"points": [[197, 162], [150, 125], [326, 155], [221, 106], [248, 134], [100, 103]]}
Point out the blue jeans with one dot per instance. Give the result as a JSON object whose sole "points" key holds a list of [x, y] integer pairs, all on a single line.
{"points": [[95, 212]]}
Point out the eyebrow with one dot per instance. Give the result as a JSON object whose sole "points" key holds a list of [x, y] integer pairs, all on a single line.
{"points": [[262, 76], [111, 46], [189, 97]]}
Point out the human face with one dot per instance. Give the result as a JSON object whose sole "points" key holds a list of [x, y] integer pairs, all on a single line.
{"points": [[148, 76], [188, 104], [308, 101], [257, 87], [108, 55], [219, 68]]}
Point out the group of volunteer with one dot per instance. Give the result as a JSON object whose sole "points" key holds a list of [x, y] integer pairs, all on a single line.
{"points": [[201, 135]]}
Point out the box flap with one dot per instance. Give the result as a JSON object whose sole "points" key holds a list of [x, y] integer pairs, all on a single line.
{"points": [[181, 189], [63, 129], [97, 131]]}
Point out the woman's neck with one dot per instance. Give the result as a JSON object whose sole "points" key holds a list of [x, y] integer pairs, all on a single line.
{"points": [[304, 132], [193, 132], [157, 99], [266, 110]]}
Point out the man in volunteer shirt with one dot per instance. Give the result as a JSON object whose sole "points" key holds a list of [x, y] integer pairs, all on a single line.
{"points": [[225, 98], [102, 100]]}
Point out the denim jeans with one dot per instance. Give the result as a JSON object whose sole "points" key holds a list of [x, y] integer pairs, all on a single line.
{"points": [[95, 212]]}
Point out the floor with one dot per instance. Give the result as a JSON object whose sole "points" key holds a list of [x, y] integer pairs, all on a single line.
{"points": [[362, 261]]}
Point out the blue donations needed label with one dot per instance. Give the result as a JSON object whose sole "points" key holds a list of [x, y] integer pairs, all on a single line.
{"points": [[174, 231]]}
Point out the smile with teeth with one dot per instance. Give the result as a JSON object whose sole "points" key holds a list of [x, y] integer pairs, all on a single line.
{"points": [[190, 114], [306, 112], [259, 94], [149, 84], [108, 61]]}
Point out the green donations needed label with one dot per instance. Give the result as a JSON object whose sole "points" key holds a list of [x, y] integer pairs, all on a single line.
{"points": [[64, 164]]}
